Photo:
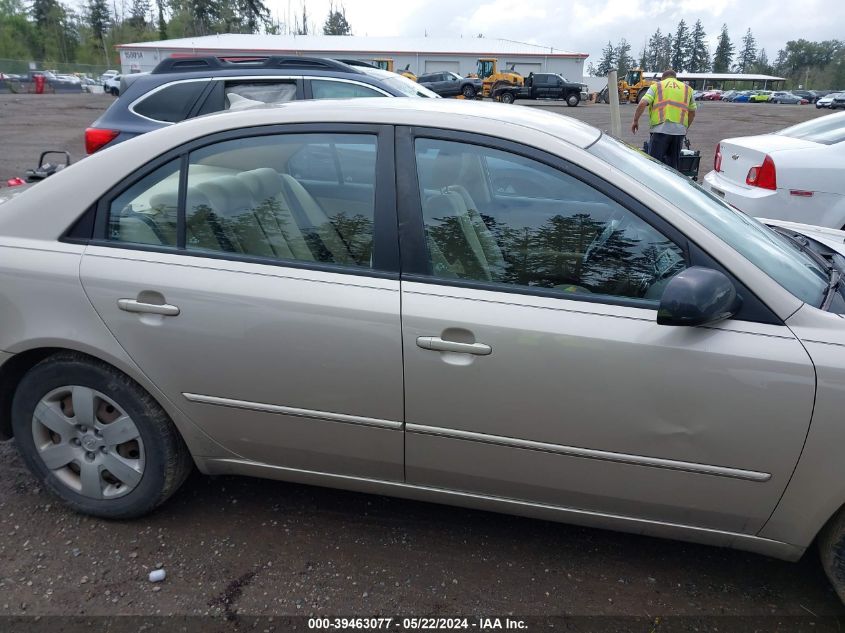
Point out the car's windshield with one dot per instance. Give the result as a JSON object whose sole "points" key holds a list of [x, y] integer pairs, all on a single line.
{"points": [[774, 254], [827, 130]]}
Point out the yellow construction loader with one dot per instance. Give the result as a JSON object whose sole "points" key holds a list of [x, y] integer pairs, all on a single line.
{"points": [[387, 64], [491, 78], [633, 86]]}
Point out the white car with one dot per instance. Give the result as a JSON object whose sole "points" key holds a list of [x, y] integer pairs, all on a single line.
{"points": [[112, 85], [399, 82], [825, 101], [796, 174]]}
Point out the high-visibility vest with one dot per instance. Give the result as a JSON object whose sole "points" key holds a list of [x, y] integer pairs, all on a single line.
{"points": [[671, 103]]}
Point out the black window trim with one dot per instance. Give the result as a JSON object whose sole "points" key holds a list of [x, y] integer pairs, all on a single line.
{"points": [[415, 264], [386, 263]]}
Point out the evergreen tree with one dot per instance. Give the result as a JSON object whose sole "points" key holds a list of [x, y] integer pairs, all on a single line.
{"points": [[747, 54], [608, 60], [761, 64], [252, 14], [162, 24], [653, 50], [699, 59], [138, 14], [664, 55], [681, 47], [591, 70], [623, 57], [336, 23], [643, 60], [99, 19], [724, 55], [780, 62]]}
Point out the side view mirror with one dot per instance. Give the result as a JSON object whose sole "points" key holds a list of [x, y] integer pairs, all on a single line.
{"points": [[697, 296]]}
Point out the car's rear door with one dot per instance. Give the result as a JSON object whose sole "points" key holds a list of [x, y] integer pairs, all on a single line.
{"points": [[535, 369], [268, 315]]}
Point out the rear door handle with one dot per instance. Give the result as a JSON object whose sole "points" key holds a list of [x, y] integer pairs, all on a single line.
{"points": [[131, 305], [438, 344]]}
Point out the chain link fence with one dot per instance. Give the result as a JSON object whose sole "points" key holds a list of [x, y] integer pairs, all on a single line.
{"points": [[22, 67]]}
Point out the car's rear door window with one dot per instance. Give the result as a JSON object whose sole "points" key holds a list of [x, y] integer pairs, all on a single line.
{"points": [[146, 212]]}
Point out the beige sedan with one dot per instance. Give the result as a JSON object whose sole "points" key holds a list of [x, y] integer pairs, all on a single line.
{"points": [[468, 303]]}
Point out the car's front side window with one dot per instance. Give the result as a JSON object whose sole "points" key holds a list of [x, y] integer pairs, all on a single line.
{"points": [[570, 237], [776, 256]]}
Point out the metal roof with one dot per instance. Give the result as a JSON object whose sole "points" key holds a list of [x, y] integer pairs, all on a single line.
{"points": [[354, 44], [723, 76]]}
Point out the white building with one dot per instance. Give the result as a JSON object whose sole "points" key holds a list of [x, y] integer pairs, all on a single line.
{"points": [[418, 54]]}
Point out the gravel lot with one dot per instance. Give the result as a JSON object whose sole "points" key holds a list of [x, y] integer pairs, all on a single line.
{"points": [[235, 548]]}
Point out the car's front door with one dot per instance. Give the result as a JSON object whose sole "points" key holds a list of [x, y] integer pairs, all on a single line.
{"points": [[535, 368], [253, 280]]}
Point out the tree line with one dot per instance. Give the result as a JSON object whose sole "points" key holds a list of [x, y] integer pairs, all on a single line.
{"points": [[56, 31], [686, 49]]}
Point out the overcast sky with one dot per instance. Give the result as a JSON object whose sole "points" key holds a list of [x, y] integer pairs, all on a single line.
{"points": [[585, 25]]}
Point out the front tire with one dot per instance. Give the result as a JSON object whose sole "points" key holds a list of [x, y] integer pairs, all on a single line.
{"points": [[468, 92], [96, 439], [507, 97], [832, 550], [573, 100]]}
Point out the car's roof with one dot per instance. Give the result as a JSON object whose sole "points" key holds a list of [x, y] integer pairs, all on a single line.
{"points": [[449, 113]]}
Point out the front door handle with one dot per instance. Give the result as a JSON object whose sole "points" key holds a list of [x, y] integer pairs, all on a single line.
{"points": [[164, 309], [438, 344]]}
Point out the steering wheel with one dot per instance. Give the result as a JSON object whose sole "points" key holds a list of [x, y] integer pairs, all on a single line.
{"points": [[615, 223]]}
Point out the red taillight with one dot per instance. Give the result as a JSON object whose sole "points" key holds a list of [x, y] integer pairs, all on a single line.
{"points": [[96, 137], [717, 162], [763, 176]]}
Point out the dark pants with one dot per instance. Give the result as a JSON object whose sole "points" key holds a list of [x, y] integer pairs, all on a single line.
{"points": [[666, 148]]}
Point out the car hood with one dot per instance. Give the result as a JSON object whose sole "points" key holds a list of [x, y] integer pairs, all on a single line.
{"points": [[832, 238]]}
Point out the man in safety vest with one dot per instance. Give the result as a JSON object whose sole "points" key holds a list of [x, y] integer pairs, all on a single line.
{"points": [[671, 110]]}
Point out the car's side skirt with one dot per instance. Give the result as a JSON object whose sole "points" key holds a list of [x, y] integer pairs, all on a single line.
{"points": [[575, 516]]}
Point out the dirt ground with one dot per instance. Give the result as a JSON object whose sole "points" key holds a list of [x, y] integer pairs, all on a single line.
{"points": [[30, 124], [235, 548]]}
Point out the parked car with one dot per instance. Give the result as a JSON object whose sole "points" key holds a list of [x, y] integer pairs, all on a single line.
{"points": [[796, 174], [543, 86], [182, 88], [112, 85], [697, 95], [449, 84], [712, 95], [209, 299], [728, 95], [809, 95], [108, 74], [760, 96], [742, 97], [837, 100], [787, 97]]}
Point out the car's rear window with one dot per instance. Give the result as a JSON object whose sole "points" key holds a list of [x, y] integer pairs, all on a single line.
{"points": [[172, 103], [826, 130]]}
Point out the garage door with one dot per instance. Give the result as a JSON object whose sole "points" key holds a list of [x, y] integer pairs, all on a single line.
{"points": [[439, 65], [522, 68]]}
